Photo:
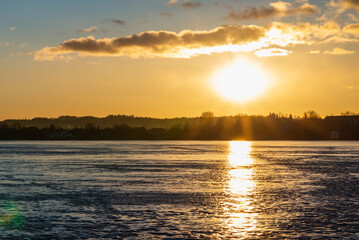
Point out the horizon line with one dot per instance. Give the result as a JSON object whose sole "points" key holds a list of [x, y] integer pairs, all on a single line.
{"points": [[279, 114]]}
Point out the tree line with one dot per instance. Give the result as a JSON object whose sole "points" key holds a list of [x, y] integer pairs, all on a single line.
{"points": [[206, 127]]}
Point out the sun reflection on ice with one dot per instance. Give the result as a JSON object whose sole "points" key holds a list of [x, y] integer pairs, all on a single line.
{"points": [[240, 182], [239, 153], [240, 161], [241, 217]]}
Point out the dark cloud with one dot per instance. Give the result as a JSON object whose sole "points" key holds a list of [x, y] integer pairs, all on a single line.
{"points": [[157, 43], [278, 9], [189, 4], [351, 4], [118, 21], [186, 3], [352, 29]]}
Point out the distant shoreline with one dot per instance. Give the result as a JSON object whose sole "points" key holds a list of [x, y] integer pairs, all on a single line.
{"points": [[207, 127], [171, 140]]}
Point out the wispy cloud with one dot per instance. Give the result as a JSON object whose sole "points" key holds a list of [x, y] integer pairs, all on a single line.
{"points": [[12, 29], [339, 51], [6, 44], [277, 9], [118, 21], [13, 44], [309, 34], [186, 3], [172, 2], [354, 4], [352, 29], [352, 17], [343, 5], [271, 52], [166, 14], [92, 29], [191, 4]]}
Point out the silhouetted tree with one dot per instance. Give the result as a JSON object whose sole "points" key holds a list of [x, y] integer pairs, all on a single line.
{"points": [[348, 113], [207, 114], [311, 114]]}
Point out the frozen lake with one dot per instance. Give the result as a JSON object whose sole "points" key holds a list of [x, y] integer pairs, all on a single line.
{"points": [[178, 190]]}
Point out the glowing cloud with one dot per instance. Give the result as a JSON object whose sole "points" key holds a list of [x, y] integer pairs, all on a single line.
{"points": [[272, 52], [187, 43], [172, 2], [354, 4], [186, 3], [277, 9], [88, 30], [352, 29], [339, 51]]}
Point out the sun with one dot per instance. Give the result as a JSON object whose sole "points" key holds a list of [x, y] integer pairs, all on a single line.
{"points": [[240, 81]]}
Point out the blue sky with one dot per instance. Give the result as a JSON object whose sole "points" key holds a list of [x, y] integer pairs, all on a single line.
{"points": [[41, 22], [44, 22]]}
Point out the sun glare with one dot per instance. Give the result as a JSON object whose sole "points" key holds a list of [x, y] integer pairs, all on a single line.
{"points": [[240, 81]]}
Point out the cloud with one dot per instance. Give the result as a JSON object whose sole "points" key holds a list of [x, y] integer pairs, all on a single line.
{"points": [[354, 4], [185, 44], [172, 2], [92, 29], [189, 4], [283, 34], [188, 43], [271, 52], [343, 5], [166, 14], [314, 52], [277, 9], [118, 21], [186, 3], [6, 44], [339, 51], [352, 17], [12, 29], [352, 29]]}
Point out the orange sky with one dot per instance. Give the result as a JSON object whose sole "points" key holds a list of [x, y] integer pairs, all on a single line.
{"points": [[161, 63]]}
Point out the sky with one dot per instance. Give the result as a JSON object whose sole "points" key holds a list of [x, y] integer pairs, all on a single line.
{"points": [[159, 58]]}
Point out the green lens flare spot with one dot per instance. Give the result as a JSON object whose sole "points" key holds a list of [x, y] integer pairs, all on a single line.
{"points": [[10, 215]]}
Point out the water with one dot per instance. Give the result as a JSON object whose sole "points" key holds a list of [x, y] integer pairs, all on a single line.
{"points": [[179, 190]]}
